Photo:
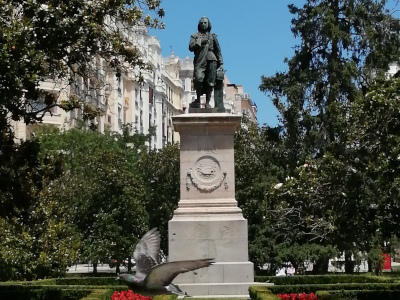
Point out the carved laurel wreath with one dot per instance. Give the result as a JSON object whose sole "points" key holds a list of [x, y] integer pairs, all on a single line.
{"points": [[190, 179]]}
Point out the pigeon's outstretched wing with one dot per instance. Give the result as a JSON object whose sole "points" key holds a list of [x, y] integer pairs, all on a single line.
{"points": [[162, 275], [147, 253]]}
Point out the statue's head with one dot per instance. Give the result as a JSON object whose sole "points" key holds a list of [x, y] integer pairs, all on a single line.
{"points": [[204, 25]]}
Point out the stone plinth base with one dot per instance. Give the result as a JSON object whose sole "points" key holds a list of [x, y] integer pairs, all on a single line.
{"points": [[208, 223], [220, 290], [222, 237]]}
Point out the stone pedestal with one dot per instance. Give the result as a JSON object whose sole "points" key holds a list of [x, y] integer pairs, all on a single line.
{"points": [[208, 222]]}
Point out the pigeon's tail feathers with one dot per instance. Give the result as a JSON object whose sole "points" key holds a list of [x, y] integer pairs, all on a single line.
{"points": [[174, 289]]}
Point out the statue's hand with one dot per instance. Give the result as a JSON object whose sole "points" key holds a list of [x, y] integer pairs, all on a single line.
{"points": [[204, 41], [221, 67]]}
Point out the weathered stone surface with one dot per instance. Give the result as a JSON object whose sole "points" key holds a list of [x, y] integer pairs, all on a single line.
{"points": [[208, 222]]}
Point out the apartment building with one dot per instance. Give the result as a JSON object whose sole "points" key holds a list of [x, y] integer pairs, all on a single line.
{"points": [[121, 98]]}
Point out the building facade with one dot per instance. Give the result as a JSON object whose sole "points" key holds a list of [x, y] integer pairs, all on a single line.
{"points": [[165, 90], [121, 98]]}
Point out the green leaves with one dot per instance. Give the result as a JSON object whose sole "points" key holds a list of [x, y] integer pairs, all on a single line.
{"points": [[103, 194], [340, 128], [160, 170], [61, 39]]}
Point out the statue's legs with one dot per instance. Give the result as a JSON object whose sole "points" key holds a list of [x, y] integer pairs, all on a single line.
{"points": [[219, 94], [208, 97], [199, 75], [211, 75]]}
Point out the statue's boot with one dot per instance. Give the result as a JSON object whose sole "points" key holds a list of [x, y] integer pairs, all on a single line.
{"points": [[195, 103], [208, 97]]}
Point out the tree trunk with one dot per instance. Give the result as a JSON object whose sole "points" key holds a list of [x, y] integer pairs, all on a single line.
{"points": [[370, 265], [321, 266], [95, 268], [117, 270], [348, 263], [129, 265]]}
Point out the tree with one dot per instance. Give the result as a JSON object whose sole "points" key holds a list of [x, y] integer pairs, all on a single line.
{"points": [[63, 40], [257, 167], [36, 241], [60, 41], [346, 46], [160, 171], [102, 190], [375, 154]]}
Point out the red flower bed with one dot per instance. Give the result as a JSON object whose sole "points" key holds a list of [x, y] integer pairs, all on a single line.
{"points": [[128, 295], [302, 296]]}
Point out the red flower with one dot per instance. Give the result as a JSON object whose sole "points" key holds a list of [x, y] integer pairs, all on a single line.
{"points": [[302, 296], [128, 295]]}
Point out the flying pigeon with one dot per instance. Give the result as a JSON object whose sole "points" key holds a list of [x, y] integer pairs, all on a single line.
{"points": [[152, 278]]}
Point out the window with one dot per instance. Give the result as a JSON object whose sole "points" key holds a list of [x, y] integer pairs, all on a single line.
{"points": [[136, 98], [151, 95], [149, 120], [119, 115]]}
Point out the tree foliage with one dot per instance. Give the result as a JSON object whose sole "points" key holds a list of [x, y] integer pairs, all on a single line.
{"points": [[102, 189], [60, 43], [62, 40], [257, 156], [160, 170], [339, 156]]}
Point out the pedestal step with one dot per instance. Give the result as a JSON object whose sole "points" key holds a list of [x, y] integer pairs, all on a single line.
{"points": [[219, 290]]}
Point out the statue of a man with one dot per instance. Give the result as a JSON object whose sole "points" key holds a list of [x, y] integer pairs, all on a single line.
{"points": [[207, 59]]}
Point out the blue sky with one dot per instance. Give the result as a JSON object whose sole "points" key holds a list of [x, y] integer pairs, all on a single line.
{"points": [[254, 35]]}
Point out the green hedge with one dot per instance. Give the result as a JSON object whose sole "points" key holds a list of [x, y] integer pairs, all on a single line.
{"points": [[34, 282], [327, 295], [89, 281], [323, 279], [261, 293], [364, 295], [19, 287], [99, 294], [65, 289], [44, 294], [313, 288]]}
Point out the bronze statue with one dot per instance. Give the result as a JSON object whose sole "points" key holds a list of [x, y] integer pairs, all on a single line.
{"points": [[208, 65]]}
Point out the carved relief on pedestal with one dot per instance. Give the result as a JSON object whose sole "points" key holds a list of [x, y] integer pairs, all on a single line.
{"points": [[206, 175]]}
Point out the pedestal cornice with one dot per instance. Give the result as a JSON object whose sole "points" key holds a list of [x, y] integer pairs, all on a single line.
{"points": [[218, 121]]}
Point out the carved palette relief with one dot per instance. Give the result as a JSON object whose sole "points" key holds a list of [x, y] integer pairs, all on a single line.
{"points": [[206, 175]]}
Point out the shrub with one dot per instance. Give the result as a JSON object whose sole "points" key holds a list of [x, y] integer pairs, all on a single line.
{"points": [[323, 279], [313, 288], [261, 293], [99, 294], [364, 295], [89, 281]]}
